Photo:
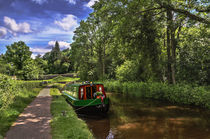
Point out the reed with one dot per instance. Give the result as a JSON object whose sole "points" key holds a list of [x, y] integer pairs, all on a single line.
{"points": [[179, 93]]}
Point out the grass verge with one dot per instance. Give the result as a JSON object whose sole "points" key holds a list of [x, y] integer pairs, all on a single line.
{"points": [[14, 97], [62, 79], [65, 123]]}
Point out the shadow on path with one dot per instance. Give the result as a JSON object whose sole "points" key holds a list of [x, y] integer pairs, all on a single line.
{"points": [[34, 122]]}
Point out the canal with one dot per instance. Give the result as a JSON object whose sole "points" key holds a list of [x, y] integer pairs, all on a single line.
{"points": [[132, 118]]}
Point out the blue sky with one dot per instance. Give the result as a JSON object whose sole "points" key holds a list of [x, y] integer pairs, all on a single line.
{"points": [[39, 23]]}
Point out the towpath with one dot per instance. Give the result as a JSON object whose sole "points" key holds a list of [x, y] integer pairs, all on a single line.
{"points": [[34, 122]]}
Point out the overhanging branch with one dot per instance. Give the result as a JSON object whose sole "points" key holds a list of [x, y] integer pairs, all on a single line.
{"points": [[184, 12]]}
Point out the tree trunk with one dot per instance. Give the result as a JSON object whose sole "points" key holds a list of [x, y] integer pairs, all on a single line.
{"points": [[173, 55], [168, 45], [171, 47], [100, 62], [104, 56]]}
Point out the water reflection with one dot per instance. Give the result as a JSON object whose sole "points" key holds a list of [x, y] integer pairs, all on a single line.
{"points": [[133, 118]]}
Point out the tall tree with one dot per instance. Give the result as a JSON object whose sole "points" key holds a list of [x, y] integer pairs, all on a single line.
{"points": [[55, 54], [121, 35], [17, 53], [20, 62]]}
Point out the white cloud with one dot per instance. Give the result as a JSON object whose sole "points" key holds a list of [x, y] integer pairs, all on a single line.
{"points": [[71, 1], [91, 3], [40, 50], [39, 1], [3, 31], [16, 28], [37, 51], [68, 23], [62, 44], [55, 31], [33, 56]]}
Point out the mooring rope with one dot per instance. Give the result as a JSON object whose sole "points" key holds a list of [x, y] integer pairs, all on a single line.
{"points": [[85, 105]]}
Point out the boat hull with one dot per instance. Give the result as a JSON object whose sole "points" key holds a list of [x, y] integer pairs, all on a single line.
{"points": [[88, 104]]}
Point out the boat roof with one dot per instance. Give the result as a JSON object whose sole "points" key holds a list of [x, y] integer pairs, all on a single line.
{"points": [[83, 84]]}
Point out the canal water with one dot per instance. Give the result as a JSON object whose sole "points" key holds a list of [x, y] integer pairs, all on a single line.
{"points": [[131, 118]]}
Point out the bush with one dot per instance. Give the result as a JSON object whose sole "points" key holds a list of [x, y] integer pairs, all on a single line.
{"points": [[181, 94], [126, 72], [8, 90]]}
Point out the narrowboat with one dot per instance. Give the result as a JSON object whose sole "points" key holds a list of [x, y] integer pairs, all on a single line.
{"points": [[86, 95]]}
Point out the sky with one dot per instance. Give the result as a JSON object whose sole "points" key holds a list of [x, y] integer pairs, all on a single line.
{"points": [[39, 23]]}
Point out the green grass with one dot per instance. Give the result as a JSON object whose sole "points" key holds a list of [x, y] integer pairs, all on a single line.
{"points": [[65, 123], [62, 79], [58, 86], [16, 95], [23, 94]]}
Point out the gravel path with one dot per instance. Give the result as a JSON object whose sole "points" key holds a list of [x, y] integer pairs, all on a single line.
{"points": [[34, 122]]}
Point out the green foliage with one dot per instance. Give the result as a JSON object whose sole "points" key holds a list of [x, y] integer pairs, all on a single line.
{"points": [[14, 97], [193, 64], [65, 123], [31, 70], [156, 47], [43, 64], [56, 61], [63, 79], [17, 53], [19, 62], [64, 67], [127, 71], [5, 68], [181, 94], [106, 42], [58, 86], [55, 54], [8, 90]]}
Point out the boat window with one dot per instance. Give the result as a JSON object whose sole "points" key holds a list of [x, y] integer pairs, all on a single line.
{"points": [[100, 89], [94, 91], [82, 93], [88, 92]]}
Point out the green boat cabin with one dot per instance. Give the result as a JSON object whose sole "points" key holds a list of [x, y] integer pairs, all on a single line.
{"points": [[87, 95], [84, 91]]}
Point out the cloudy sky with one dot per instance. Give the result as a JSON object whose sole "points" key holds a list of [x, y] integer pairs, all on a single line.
{"points": [[39, 23]]}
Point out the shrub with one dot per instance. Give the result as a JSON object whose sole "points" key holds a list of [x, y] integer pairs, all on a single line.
{"points": [[126, 72], [179, 93], [8, 91]]}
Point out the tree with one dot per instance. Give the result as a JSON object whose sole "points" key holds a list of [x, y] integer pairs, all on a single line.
{"points": [[17, 53], [55, 54], [42, 63], [194, 56], [31, 70], [5, 68], [112, 42]]}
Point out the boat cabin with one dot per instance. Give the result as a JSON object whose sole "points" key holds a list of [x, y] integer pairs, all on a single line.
{"points": [[85, 91]]}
